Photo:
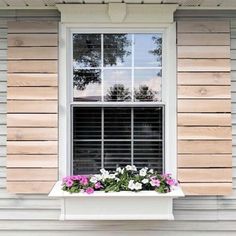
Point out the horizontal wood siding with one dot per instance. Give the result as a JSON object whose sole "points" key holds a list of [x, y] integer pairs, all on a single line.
{"points": [[204, 107], [32, 103]]}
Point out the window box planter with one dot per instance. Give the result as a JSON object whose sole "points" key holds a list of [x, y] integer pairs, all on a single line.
{"points": [[125, 205]]}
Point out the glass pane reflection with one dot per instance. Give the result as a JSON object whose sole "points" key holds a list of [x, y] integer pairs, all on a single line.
{"points": [[117, 85], [147, 85], [86, 50], [147, 50], [87, 85], [117, 49]]}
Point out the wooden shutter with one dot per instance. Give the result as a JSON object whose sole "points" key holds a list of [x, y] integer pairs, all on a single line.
{"points": [[32, 103], [204, 107]]}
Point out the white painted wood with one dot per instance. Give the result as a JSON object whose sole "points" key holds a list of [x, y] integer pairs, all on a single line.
{"points": [[124, 13], [144, 205], [169, 85]]}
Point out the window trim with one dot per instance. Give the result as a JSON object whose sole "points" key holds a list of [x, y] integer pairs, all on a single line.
{"points": [[169, 93]]}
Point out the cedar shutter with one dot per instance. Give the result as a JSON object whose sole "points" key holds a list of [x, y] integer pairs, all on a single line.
{"points": [[204, 107], [32, 104]]}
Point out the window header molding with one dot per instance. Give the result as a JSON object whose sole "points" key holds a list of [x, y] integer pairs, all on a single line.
{"points": [[117, 13]]}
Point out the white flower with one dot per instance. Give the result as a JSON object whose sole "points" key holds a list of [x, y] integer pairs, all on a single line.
{"points": [[134, 186], [138, 186], [120, 170], [131, 185], [117, 179], [112, 176], [129, 167], [143, 172], [93, 179], [104, 172], [98, 177], [145, 181], [151, 171]]}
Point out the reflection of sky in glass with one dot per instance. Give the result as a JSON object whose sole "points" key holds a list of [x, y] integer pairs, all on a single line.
{"points": [[147, 81], [146, 50], [116, 77], [117, 49]]}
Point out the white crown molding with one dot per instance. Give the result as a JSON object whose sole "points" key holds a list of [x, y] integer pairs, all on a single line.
{"points": [[117, 13]]}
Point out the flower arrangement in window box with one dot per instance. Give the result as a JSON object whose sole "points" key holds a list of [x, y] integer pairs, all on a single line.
{"points": [[124, 194], [123, 179]]}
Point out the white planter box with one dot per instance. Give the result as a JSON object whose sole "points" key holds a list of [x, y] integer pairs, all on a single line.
{"points": [[144, 205]]}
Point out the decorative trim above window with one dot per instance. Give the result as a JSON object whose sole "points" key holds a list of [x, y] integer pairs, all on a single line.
{"points": [[117, 13]]}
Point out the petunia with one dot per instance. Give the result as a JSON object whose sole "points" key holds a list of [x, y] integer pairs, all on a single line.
{"points": [[143, 172], [171, 182], [155, 182], [93, 179], [145, 181], [69, 183], [89, 190], [98, 185], [84, 180]]}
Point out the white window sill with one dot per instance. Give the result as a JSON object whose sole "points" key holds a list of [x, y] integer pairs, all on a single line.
{"points": [[144, 205]]}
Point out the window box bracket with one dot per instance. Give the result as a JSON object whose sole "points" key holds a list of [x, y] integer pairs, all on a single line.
{"points": [[144, 205]]}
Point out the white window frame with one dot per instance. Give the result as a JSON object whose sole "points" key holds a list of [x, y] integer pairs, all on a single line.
{"points": [[168, 83]]}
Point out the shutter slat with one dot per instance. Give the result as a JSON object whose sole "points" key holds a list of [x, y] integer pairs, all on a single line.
{"points": [[32, 106], [204, 107]]}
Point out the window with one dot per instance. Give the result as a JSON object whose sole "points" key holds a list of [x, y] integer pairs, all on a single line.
{"points": [[117, 105]]}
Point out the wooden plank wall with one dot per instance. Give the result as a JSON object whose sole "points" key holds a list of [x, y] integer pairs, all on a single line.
{"points": [[32, 106], [204, 107]]}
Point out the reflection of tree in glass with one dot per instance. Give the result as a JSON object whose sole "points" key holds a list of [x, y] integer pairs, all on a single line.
{"points": [[87, 53], [158, 50], [118, 93], [116, 47], [87, 49], [144, 93], [82, 78]]}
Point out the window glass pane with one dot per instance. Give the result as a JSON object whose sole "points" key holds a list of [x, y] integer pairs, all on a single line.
{"points": [[147, 50], [148, 137], [117, 123], [86, 50], [147, 85], [87, 85], [86, 157], [148, 153], [117, 85], [117, 154], [86, 140], [86, 123], [117, 49], [148, 123]]}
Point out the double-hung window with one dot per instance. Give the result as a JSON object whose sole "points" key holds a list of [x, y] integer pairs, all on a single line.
{"points": [[117, 106]]}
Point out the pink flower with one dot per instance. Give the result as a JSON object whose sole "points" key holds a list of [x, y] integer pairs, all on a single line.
{"points": [[166, 176], [89, 190], [98, 185], [64, 180], [84, 180], [171, 182], [69, 183], [76, 177], [155, 182]]}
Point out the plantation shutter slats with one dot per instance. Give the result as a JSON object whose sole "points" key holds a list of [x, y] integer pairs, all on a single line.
{"points": [[204, 107], [32, 105]]}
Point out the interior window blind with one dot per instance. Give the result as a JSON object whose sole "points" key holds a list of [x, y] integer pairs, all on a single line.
{"points": [[117, 136]]}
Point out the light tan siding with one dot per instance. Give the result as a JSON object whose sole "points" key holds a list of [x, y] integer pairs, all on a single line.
{"points": [[32, 101]]}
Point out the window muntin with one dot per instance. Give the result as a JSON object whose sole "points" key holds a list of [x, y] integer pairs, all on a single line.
{"points": [[119, 67], [127, 71]]}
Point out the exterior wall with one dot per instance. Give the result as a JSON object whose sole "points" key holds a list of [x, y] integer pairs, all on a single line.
{"points": [[37, 214]]}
